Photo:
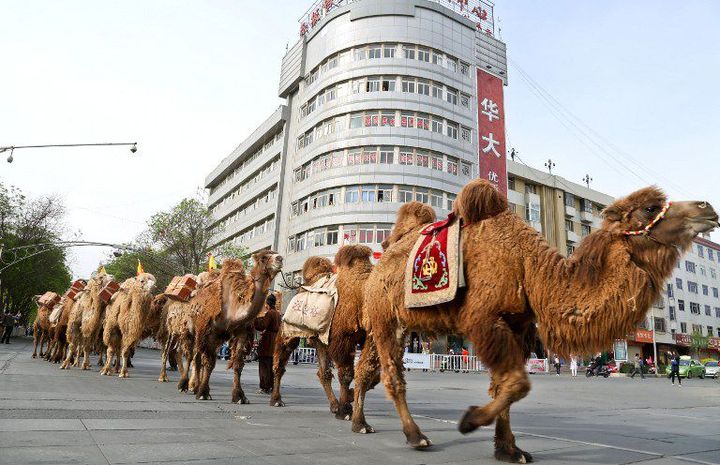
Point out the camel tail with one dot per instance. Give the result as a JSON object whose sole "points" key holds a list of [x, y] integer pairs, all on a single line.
{"points": [[478, 201]]}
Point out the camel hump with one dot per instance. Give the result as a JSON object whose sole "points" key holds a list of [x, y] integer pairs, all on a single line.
{"points": [[410, 216], [479, 200], [314, 267], [348, 253]]}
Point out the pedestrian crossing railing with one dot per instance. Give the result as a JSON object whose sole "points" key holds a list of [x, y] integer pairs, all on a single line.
{"points": [[304, 355]]}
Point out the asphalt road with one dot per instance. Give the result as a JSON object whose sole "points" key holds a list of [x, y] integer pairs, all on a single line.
{"points": [[48, 415]]}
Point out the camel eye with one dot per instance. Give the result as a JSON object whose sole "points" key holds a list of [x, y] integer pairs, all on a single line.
{"points": [[652, 209]]}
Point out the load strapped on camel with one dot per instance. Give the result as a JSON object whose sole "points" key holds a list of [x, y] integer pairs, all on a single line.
{"points": [[310, 312]]}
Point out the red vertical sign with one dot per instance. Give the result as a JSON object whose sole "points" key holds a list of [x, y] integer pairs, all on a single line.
{"points": [[491, 130]]}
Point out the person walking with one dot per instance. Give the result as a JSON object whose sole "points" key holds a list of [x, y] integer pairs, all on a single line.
{"points": [[556, 361], [465, 360], [269, 324], [8, 322], [573, 365], [637, 367], [675, 369]]}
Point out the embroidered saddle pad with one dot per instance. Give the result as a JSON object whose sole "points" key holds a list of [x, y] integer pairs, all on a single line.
{"points": [[434, 269], [310, 311]]}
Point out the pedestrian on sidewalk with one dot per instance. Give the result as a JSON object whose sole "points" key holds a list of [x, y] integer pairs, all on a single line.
{"points": [[637, 367], [675, 369], [8, 322], [557, 366], [269, 324], [573, 365]]}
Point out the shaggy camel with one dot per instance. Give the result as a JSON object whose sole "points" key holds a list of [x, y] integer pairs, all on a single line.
{"points": [[59, 340], [515, 280], [227, 308], [41, 330], [128, 320], [346, 331], [85, 321], [177, 334]]}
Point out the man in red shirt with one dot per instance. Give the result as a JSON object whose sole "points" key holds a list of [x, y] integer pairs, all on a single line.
{"points": [[269, 324]]}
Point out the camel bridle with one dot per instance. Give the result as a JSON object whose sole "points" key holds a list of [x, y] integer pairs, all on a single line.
{"points": [[646, 230]]}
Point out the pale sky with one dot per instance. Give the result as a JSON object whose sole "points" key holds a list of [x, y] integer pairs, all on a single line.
{"points": [[190, 80]]}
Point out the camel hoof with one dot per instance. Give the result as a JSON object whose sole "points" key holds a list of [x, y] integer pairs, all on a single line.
{"points": [[513, 456], [419, 441], [277, 403], [35, 356], [243, 401], [162, 379], [474, 418], [363, 429]]}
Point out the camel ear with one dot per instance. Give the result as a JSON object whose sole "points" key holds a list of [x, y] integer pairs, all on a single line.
{"points": [[613, 213], [385, 244]]}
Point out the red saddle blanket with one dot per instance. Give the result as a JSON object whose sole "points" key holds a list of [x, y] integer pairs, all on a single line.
{"points": [[434, 268]]}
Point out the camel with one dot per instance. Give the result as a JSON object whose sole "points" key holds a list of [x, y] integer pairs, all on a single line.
{"points": [[53, 319], [346, 331], [85, 321], [227, 308], [41, 330], [177, 330], [129, 319], [59, 340], [517, 286]]}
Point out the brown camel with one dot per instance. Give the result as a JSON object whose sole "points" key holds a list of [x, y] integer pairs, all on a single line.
{"points": [[129, 319], [59, 340], [53, 319], [227, 308], [41, 330], [84, 322], [346, 331], [177, 331], [516, 281]]}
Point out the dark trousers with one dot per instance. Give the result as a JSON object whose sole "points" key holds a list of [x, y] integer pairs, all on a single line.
{"points": [[6, 334], [636, 371], [266, 373], [673, 374]]}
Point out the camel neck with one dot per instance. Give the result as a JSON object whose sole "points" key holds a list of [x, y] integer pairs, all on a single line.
{"points": [[585, 302]]}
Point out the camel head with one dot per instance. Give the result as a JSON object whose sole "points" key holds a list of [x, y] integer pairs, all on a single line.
{"points": [[267, 264], [348, 255], [314, 268], [649, 221], [146, 281]]}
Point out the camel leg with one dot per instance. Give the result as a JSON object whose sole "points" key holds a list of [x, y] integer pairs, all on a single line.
{"points": [[68, 357], [238, 362], [346, 373], [207, 363], [163, 363], [108, 361], [125, 357], [86, 357], [283, 351], [183, 369], [76, 356], [195, 371], [35, 345], [101, 353], [43, 339], [324, 374], [173, 355], [367, 375]]}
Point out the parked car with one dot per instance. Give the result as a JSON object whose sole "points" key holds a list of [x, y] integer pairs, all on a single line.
{"points": [[711, 369], [689, 368]]}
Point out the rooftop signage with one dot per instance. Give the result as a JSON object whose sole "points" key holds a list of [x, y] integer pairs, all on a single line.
{"points": [[478, 11]]}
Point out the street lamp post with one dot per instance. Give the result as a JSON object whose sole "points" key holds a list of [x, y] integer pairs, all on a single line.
{"points": [[12, 148]]}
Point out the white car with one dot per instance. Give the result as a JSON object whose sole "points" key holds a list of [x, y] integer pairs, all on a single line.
{"points": [[711, 369]]}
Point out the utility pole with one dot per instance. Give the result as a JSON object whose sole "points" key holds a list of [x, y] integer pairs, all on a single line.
{"points": [[12, 148]]}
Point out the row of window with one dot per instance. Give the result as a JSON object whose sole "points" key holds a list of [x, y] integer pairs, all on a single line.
{"points": [[249, 183], [343, 234], [371, 193], [694, 309], [585, 204], [584, 228], [690, 267], [385, 118], [242, 167], [695, 329], [383, 155], [389, 50], [253, 231], [703, 252], [257, 203], [386, 84]]}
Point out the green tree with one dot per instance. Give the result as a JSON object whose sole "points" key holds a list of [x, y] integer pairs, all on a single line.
{"points": [[28, 222]]}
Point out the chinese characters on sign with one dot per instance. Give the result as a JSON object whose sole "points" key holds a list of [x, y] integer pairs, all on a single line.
{"points": [[478, 11], [491, 130]]}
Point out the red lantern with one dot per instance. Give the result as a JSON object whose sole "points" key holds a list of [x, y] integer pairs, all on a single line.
{"points": [[377, 255]]}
